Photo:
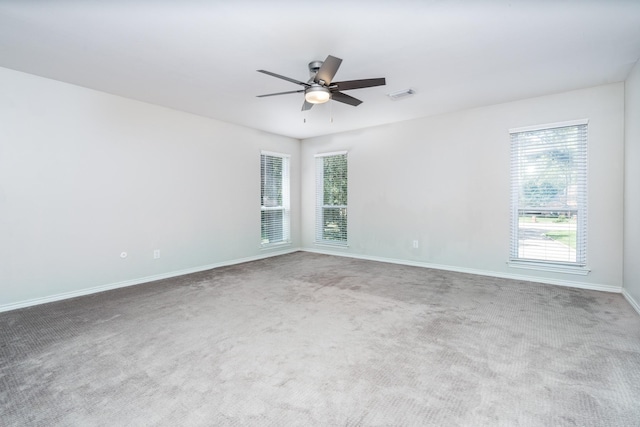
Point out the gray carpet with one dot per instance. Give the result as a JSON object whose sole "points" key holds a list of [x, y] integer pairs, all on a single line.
{"points": [[315, 340]]}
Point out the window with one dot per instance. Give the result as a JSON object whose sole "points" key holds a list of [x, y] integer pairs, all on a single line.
{"points": [[549, 196], [274, 199], [331, 198]]}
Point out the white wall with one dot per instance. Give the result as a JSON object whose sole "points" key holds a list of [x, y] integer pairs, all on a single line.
{"points": [[632, 188], [444, 181], [85, 175]]}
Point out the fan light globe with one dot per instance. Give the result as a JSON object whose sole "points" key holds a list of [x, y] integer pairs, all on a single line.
{"points": [[317, 95]]}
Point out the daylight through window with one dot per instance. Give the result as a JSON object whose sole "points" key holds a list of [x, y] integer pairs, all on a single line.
{"points": [[549, 194], [274, 199], [331, 198]]}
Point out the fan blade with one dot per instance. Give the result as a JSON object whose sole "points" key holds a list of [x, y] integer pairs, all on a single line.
{"points": [[306, 106], [281, 93], [328, 69], [346, 99], [359, 84], [269, 73]]}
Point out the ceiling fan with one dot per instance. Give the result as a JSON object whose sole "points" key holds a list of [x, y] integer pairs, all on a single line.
{"points": [[321, 88]]}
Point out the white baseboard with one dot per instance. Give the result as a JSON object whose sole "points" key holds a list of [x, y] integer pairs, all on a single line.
{"points": [[558, 282], [132, 282], [631, 301]]}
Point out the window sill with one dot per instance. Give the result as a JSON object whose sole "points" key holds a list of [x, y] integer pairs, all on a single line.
{"points": [[274, 245], [331, 245], [554, 268]]}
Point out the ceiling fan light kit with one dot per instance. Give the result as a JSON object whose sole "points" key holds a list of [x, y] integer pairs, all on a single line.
{"points": [[317, 94], [320, 88]]}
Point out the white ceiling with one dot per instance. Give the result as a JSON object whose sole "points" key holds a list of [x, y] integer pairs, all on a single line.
{"points": [[202, 56]]}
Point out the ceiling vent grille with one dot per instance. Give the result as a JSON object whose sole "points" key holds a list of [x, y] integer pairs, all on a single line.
{"points": [[401, 94]]}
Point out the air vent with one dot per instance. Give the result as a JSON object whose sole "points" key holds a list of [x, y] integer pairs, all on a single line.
{"points": [[401, 94]]}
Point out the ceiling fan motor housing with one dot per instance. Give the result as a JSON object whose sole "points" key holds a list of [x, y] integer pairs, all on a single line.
{"points": [[314, 66]]}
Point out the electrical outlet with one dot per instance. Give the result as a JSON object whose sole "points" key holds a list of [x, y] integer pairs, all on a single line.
{"points": [[156, 254], [415, 244]]}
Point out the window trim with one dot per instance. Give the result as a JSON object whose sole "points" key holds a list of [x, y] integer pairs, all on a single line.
{"points": [[320, 206], [286, 201], [549, 266], [534, 128], [539, 264], [333, 153]]}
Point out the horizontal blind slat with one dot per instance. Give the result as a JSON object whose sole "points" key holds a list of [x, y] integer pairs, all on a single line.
{"points": [[274, 199], [331, 199], [548, 173]]}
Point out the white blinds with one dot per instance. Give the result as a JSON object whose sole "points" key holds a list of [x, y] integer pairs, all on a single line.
{"points": [[274, 199], [331, 198], [549, 194]]}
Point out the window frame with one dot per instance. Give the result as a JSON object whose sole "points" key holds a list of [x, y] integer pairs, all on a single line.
{"points": [[285, 206], [322, 207], [579, 266]]}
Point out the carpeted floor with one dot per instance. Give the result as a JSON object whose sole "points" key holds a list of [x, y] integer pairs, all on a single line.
{"points": [[315, 340]]}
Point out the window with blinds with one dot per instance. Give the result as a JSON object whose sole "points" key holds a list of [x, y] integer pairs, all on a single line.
{"points": [[274, 199], [331, 198], [549, 195]]}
